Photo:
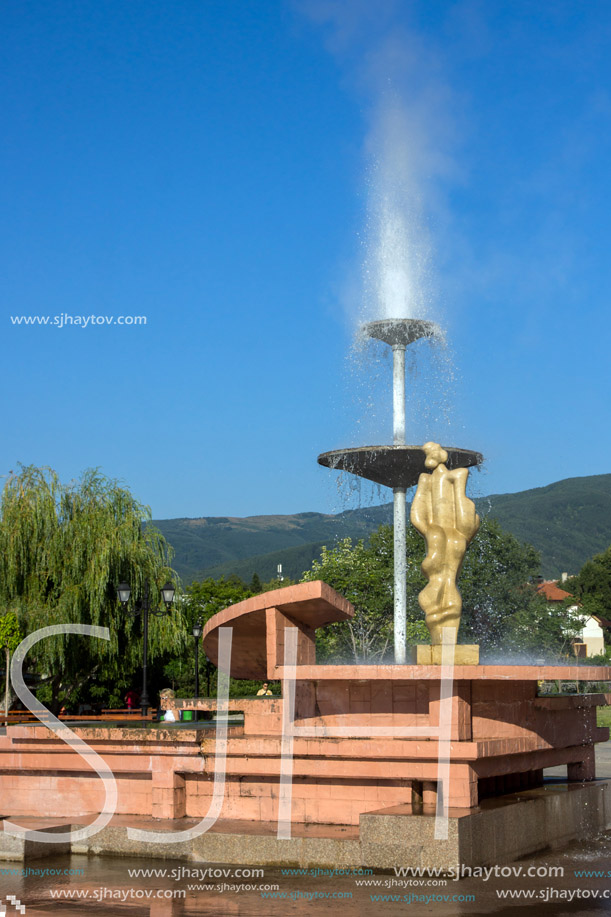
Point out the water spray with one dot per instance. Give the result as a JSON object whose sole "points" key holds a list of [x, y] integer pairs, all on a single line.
{"points": [[398, 466]]}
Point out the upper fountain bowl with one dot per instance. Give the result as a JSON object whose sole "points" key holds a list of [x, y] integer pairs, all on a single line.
{"points": [[401, 331]]}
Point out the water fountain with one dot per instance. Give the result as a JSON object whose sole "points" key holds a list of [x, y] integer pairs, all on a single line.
{"points": [[398, 466], [430, 764], [458, 733]]}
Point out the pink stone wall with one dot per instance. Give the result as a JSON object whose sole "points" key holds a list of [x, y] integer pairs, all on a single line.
{"points": [[502, 738], [74, 794], [331, 802]]}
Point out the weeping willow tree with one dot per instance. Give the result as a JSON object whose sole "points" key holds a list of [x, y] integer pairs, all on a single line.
{"points": [[63, 550], [10, 638]]}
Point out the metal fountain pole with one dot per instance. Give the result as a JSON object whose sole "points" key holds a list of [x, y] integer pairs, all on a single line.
{"points": [[399, 506]]}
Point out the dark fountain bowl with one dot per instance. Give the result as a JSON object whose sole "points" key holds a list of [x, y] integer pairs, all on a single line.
{"points": [[393, 466]]}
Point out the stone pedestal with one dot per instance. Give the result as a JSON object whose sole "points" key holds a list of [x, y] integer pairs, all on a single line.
{"points": [[463, 654]]}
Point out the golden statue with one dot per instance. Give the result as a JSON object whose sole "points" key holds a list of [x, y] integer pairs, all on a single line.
{"points": [[446, 518]]}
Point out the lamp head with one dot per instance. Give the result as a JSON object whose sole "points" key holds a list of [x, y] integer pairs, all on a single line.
{"points": [[167, 594], [123, 593]]}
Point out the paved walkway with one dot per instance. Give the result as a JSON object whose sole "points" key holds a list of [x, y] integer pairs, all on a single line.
{"points": [[603, 764], [603, 760]]}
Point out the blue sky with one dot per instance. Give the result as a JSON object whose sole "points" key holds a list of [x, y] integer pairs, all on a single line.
{"points": [[210, 164]]}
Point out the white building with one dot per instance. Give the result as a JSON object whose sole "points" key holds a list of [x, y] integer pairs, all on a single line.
{"points": [[592, 638]]}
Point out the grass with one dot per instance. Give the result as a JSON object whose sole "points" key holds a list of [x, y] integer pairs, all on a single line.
{"points": [[603, 716]]}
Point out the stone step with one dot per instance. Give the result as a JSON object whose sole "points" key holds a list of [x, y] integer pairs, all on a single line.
{"points": [[24, 849]]}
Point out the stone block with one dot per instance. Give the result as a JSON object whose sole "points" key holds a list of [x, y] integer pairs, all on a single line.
{"points": [[381, 698], [328, 851], [584, 769], [24, 849], [247, 850], [496, 832]]}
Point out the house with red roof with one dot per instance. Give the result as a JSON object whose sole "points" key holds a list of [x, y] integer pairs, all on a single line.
{"points": [[592, 637]]}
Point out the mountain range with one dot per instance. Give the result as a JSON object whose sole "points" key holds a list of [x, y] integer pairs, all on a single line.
{"points": [[567, 521]]}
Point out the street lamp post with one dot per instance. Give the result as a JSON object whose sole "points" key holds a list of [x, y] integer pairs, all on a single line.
{"points": [[143, 608], [197, 631]]}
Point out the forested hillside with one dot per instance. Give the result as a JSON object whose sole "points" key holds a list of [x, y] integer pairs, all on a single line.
{"points": [[567, 521]]}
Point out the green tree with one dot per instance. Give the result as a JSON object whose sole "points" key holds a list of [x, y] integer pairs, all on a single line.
{"points": [[498, 603], [10, 638], [63, 550], [363, 573], [201, 601], [276, 583], [204, 598], [494, 587], [543, 629], [592, 585]]}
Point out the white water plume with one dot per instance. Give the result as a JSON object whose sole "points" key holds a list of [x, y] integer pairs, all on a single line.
{"points": [[397, 264], [399, 74]]}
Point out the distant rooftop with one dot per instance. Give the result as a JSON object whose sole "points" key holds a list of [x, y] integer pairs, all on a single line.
{"points": [[552, 591]]}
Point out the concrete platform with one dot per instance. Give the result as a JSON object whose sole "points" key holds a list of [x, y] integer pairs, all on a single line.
{"points": [[231, 841], [498, 831]]}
